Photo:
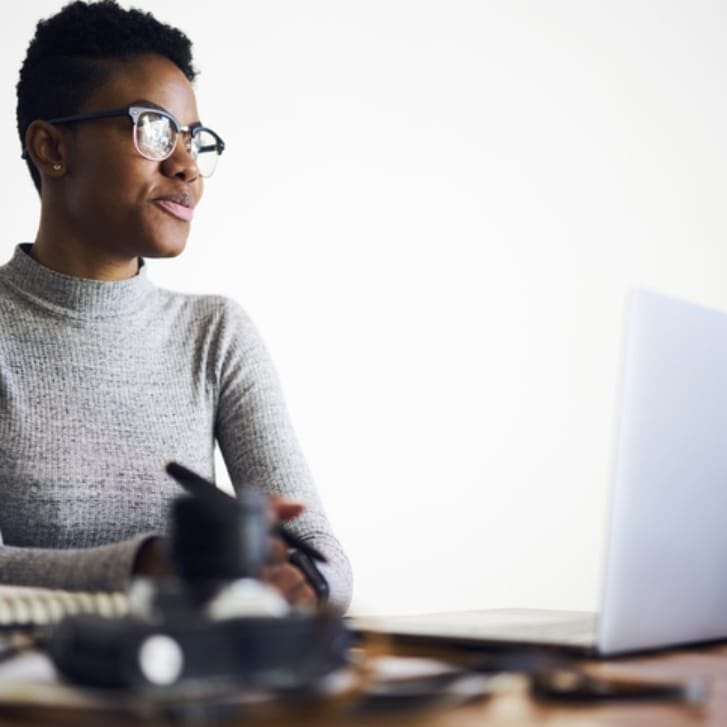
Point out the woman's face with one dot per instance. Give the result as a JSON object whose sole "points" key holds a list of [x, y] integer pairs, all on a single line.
{"points": [[116, 201]]}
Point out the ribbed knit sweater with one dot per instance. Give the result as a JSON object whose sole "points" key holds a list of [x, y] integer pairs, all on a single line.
{"points": [[101, 384]]}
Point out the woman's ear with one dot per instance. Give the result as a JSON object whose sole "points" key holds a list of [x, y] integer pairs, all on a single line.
{"points": [[46, 146]]}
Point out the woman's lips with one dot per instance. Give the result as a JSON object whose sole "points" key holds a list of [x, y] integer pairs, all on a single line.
{"points": [[180, 211]]}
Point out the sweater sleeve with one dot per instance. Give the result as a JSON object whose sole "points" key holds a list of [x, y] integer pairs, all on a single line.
{"points": [[260, 447], [103, 568]]}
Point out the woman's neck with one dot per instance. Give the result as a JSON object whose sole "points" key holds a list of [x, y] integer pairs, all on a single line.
{"points": [[60, 250]]}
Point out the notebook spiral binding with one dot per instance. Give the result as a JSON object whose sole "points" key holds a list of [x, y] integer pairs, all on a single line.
{"points": [[27, 607]]}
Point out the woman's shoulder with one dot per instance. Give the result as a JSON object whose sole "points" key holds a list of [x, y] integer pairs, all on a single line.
{"points": [[207, 311], [207, 304]]}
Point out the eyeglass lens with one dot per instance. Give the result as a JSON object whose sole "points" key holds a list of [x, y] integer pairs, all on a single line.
{"points": [[155, 138]]}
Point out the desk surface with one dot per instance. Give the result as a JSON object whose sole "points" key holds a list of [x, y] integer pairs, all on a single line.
{"points": [[510, 705], [513, 705]]}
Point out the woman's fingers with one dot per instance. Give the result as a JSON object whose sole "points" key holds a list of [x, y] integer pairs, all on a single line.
{"points": [[290, 582]]}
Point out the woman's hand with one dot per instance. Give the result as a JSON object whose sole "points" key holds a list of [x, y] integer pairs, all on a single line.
{"points": [[279, 573], [152, 560]]}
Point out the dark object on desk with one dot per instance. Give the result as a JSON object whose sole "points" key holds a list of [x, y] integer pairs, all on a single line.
{"points": [[574, 684], [243, 516], [290, 652], [200, 487], [211, 540], [215, 621], [402, 697]]}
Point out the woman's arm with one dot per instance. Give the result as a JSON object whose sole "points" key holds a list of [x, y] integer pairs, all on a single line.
{"points": [[259, 444], [103, 568]]}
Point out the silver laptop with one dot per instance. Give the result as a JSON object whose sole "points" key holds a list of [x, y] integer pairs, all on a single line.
{"points": [[665, 580]]}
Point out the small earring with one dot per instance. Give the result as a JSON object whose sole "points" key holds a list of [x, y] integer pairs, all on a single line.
{"points": [[57, 167]]}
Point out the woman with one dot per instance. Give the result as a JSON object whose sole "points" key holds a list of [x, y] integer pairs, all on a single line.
{"points": [[103, 376]]}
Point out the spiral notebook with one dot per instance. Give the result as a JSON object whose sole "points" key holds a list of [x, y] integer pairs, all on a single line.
{"points": [[28, 607]]}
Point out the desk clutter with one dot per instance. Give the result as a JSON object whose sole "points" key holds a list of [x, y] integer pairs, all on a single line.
{"points": [[212, 619], [215, 642], [373, 683]]}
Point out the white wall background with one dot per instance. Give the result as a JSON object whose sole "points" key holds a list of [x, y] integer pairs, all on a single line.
{"points": [[434, 209]]}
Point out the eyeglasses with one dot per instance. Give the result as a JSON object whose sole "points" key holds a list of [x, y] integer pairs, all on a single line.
{"points": [[155, 133]]}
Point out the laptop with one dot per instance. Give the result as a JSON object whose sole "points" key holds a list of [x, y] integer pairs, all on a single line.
{"points": [[665, 578]]}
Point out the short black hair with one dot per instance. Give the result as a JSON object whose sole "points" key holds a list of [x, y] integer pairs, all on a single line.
{"points": [[65, 59]]}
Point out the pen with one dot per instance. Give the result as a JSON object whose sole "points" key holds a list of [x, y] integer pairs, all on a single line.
{"points": [[201, 487]]}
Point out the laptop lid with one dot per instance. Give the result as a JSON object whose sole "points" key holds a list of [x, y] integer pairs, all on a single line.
{"points": [[666, 559]]}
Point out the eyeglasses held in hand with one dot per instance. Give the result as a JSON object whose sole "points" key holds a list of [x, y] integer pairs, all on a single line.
{"points": [[155, 134]]}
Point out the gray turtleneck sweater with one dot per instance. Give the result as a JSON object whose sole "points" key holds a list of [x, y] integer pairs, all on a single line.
{"points": [[102, 383]]}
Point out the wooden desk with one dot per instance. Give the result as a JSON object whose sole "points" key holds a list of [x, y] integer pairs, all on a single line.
{"points": [[513, 705], [510, 705]]}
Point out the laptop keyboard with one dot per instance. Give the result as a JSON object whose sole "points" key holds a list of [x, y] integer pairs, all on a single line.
{"points": [[575, 628]]}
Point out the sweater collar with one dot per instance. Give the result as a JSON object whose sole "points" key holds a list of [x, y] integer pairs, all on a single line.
{"points": [[77, 297]]}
